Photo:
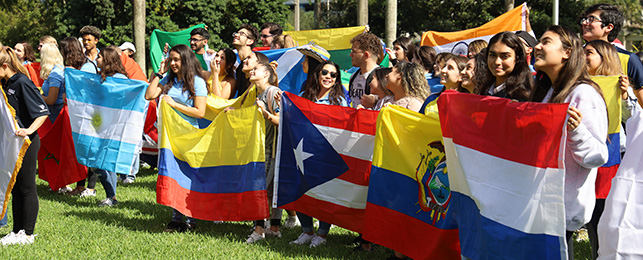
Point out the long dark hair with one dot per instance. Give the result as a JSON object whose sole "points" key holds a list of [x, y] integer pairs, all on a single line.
{"points": [[519, 83], [29, 54], [407, 45], [426, 56], [190, 68], [480, 72], [313, 87], [112, 63], [229, 57], [380, 75], [573, 72], [72, 52]]}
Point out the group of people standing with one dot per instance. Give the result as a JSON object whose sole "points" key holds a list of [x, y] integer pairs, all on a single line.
{"points": [[555, 68]]}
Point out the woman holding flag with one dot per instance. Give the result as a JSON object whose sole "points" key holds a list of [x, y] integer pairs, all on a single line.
{"points": [[109, 62], [408, 85], [563, 78], [325, 87], [264, 77], [186, 91], [31, 112]]}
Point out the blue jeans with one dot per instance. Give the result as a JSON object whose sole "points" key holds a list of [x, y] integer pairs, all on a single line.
{"points": [[307, 224], [3, 221], [108, 179]]}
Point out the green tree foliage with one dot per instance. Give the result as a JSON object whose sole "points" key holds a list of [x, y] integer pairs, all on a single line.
{"points": [[27, 20]]}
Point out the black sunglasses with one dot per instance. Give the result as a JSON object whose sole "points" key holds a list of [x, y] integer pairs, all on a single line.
{"points": [[332, 74]]}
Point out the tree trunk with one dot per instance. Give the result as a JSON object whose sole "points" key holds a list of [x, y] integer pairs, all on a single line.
{"points": [[296, 15], [317, 14], [509, 5], [391, 22], [139, 32], [362, 12]]}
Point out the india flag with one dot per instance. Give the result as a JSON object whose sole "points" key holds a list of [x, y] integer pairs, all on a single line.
{"points": [[106, 119], [506, 175], [458, 42]]}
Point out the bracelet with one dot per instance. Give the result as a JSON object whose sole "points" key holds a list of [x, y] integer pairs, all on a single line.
{"points": [[159, 75]]}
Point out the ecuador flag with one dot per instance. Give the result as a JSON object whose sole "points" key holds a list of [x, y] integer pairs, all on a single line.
{"points": [[458, 42], [218, 172], [610, 86], [506, 175], [409, 198]]}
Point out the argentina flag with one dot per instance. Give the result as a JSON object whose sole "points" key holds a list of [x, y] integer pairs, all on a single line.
{"points": [[106, 119]]}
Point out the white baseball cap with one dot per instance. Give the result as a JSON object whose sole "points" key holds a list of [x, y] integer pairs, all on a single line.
{"points": [[128, 45]]}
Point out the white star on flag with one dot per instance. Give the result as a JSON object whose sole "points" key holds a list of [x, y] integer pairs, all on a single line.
{"points": [[301, 156]]}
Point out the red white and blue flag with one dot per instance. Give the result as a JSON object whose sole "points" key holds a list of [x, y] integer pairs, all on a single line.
{"points": [[506, 175], [324, 161]]}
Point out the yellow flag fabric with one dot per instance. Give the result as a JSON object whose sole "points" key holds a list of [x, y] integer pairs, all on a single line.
{"points": [[610, 86], [409, 193], [12, 152], [217, 172], [329, 39], [458, 41]]}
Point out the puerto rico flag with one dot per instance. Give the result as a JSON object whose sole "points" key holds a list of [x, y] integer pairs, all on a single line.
{"points": [[506, 175], [324, 158]]}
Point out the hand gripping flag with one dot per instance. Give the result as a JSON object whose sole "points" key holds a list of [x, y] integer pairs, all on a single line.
{"points": [[620, 230], [215, 173], [57, 162], [610, 85], [159, 38], [506, 174], [458, 42], [324, 160], [12, 152], [409, 198], [106, 119]]}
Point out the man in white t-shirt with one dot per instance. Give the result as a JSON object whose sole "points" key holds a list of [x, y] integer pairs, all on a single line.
{"points": [[365, 53]]}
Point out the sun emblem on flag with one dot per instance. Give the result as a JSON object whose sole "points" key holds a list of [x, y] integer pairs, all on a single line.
{"points": [[434, 193], [97, 120]]}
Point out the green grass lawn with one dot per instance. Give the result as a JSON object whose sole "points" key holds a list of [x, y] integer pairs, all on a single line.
{"points": [[70, 227]]}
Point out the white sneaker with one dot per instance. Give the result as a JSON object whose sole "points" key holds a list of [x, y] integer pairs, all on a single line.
{"points": [[128, 181], [24, 239], [303, 239], [87, 193], [269, 232], [20, 238], [317, 241], [9, 239], [292, 222], [254, 237], [64, 190]]}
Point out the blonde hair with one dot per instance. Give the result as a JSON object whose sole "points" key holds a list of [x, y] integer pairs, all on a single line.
{"points": [[413, 81], [49, 57], [49, 39], [610, 62], [283, 41], [8, 56]]}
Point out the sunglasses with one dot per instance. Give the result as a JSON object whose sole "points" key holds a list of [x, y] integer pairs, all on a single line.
{"points": [[263, 36], [332, 74]]}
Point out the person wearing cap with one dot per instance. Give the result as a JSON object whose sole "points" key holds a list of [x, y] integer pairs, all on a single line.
{"points": [[528, 44], [128, 49], [91, 36], [313, 56]]}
